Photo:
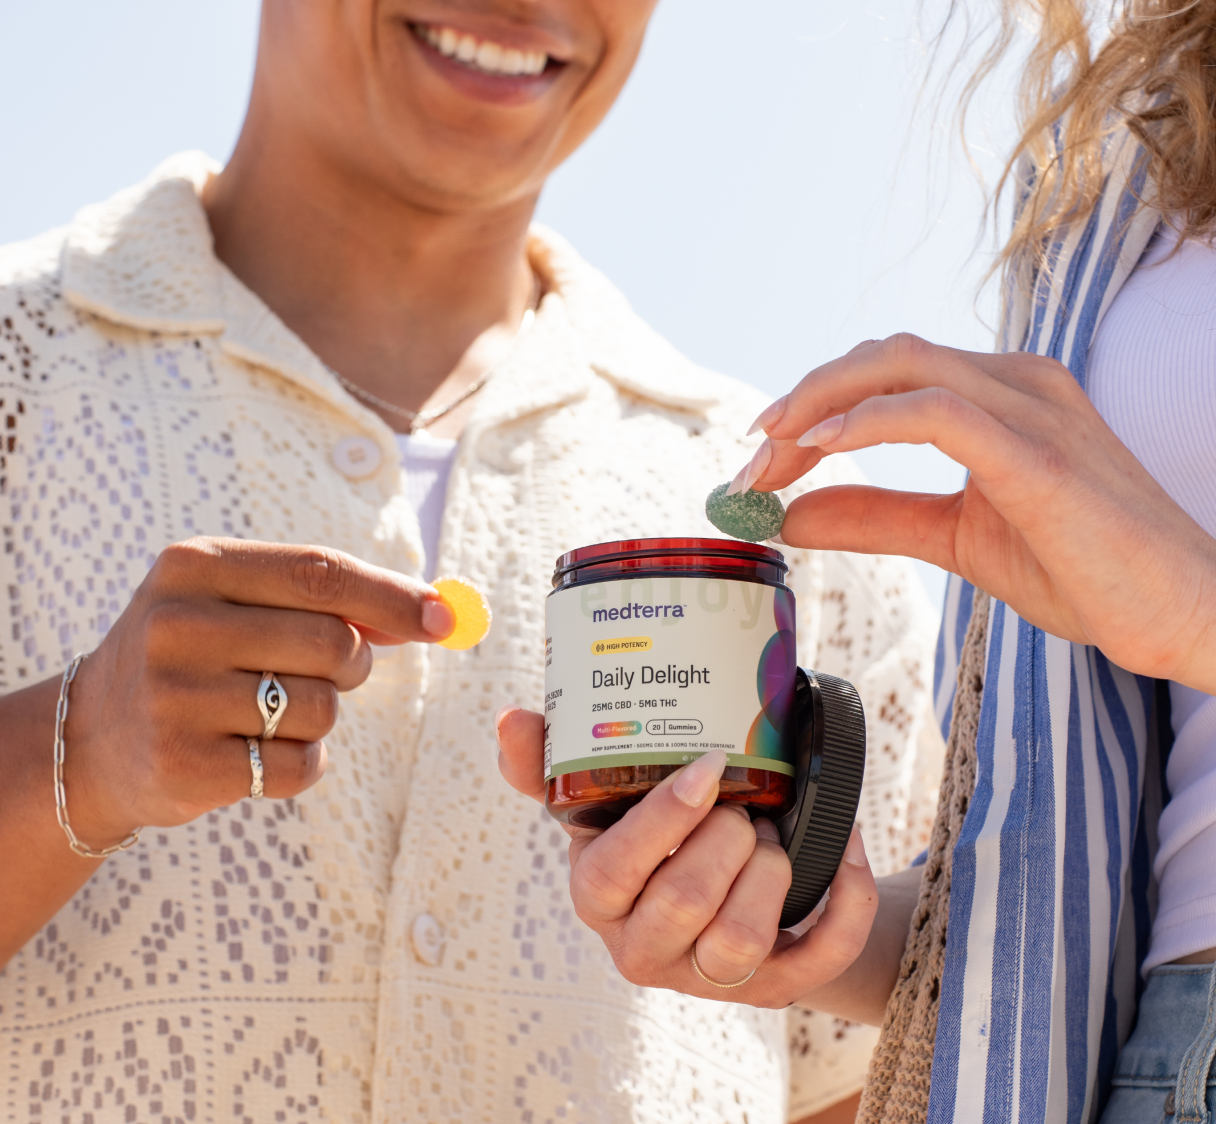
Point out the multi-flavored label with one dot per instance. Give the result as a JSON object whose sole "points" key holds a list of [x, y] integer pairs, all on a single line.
{"points": [[657, 671]]}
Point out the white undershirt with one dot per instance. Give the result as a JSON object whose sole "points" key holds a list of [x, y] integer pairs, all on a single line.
{"points": [[1152, 377], [427, 462]]}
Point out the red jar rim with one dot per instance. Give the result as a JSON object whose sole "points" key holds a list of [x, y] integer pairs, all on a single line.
{"points": [[678, 553]]}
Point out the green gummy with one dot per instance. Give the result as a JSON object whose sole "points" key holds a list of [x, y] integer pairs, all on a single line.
{"points": [[752, 516]]}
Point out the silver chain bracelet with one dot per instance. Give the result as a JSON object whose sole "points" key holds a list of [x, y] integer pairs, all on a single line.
{"points": [[61, 796]]}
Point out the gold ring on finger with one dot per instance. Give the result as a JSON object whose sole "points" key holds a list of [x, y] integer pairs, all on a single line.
{"points": [[272, 702], [718, 983]]}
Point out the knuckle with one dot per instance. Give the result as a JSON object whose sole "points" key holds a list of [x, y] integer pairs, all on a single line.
{"points": [[1050, 372], [738, 943], [907, 347], [596, 890], [324, 706], [636, 967], [165, 624], [333, 641], [319, 575], [945, 402], [734, 835], [1042, 376], [682, 902], [179, 560], [173, 761]]}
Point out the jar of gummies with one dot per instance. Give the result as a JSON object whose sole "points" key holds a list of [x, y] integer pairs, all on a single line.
{"points": [[660, 650]]}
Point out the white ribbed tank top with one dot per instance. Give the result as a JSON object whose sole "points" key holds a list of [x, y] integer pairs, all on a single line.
{"points": [[1152, 377]]}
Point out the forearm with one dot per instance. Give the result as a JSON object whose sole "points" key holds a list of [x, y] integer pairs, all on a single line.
{"points": [[39, 872], [860, 993]]}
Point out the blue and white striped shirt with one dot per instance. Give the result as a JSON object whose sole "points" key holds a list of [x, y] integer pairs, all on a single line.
{"points": [[1052, 897]]}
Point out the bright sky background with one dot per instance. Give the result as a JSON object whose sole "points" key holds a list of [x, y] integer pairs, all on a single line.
{"points": [[747, 192]]}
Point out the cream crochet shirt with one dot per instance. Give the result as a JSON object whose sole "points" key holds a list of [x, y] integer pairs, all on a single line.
{"points": [[397, 944]]}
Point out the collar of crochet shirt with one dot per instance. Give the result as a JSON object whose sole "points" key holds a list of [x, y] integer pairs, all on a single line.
{"points": [[144, 258]]}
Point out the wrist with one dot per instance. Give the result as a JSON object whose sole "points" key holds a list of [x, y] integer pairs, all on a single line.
{"points": [[98, 814]]}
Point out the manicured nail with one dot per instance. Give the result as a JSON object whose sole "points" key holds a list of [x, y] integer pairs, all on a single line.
{"points": [[824, 433], [855, 850], [770, 415], [758, 465], [766, 829], [438, 620], [753, 470], [695, 783], [736, 485]]}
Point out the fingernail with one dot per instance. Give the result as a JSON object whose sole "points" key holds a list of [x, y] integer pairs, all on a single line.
{"points": [[766, 829], [736, 485], [770, 415], [824, 433], [753, 470], [695, 783], [779, 540], [438, 620], [758, 464], [855, 851], [501, 715]]}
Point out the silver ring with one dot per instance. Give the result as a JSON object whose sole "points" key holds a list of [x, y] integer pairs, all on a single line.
{"points": [[272, 702], [255, 764], [718, 983]]}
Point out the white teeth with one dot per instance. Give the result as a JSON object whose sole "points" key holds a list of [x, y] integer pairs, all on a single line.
{"points": [[485, 55], [489, 56]]}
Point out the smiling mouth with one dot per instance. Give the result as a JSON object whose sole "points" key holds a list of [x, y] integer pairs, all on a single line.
{"points": [[483, 55]]}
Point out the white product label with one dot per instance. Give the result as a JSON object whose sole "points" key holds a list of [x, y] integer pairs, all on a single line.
{"points": [[657, 671]]}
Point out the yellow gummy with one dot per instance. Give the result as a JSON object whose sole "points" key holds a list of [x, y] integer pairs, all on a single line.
{"points": [[470, 609]]}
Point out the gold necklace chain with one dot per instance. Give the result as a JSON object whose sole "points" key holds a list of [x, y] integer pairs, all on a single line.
{"points": [[420, 419]]}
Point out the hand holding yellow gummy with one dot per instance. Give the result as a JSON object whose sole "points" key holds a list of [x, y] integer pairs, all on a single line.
{"points": [[470, 609]]}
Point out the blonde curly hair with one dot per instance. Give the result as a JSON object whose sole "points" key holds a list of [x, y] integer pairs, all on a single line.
{"points": [[1154, 72]]}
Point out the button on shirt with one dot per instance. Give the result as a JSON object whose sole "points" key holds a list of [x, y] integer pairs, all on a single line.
{"points": [[356, 457]]}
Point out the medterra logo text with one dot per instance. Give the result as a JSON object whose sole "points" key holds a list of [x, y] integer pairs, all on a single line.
{"points": [[634, 611], [665, 603]]}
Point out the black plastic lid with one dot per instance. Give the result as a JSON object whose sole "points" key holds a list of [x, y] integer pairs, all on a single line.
{"points": [[831, 766]]}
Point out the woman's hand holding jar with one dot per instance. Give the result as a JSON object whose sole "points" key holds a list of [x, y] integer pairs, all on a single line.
{"points": [[160, 714], [676, 873]]}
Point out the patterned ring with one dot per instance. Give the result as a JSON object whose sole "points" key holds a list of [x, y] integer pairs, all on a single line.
{"points": [[272, 702], [718, 983], [255, 764]]}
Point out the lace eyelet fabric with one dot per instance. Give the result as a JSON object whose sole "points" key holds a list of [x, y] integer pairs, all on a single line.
{"points": [[397, 943]]}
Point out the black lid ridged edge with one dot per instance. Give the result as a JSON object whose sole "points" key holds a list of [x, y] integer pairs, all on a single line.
{"points": [[837, 795]]}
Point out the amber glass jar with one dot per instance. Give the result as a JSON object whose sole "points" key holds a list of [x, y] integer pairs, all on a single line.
{"points": [[659, 650]]}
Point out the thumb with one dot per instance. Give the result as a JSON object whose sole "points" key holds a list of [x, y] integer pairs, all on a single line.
{"points": [[521, 743]]}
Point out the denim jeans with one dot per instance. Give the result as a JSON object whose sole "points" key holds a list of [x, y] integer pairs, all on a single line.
{"points": [[1164, 1074]]}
